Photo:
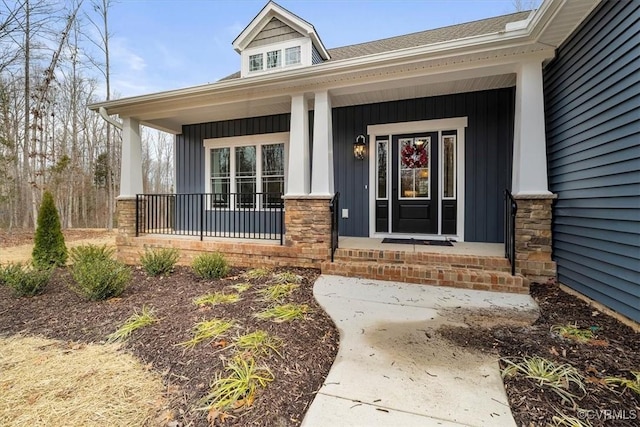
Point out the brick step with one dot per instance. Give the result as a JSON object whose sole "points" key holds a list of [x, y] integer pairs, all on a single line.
{"points": [[439, 260], [456, 277]]}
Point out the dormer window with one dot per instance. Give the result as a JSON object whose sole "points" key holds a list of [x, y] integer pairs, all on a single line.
{"points": [[292, 55], [255, 62], [277, 40], [273, 59]]}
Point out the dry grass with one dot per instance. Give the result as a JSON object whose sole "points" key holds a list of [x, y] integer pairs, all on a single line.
{"points": [[51, 383]]}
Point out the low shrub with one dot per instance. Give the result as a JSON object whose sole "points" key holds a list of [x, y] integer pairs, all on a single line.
{"points": [[25, 280], [210, 266], [100, 278], [90, 252], [157, 262]]}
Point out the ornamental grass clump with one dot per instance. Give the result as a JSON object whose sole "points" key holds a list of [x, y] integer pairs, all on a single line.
{"points": [[216, 298], [278, 292], [257, 273], [625, 383], [210, 266], [207, 330], [284, 313], [286, 277], [573, 332], [136, 321], [241, 287], [49, 248], [258, 343], [159, 262], [238, 389], [25, 280], [100, 279], [547, 375]]}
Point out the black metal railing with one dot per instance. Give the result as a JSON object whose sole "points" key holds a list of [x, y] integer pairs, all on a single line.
{"points": [[334, 207], [510, 209], [234, 215]]}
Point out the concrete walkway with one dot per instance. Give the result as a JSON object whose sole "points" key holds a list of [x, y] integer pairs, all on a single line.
{"points": [[394, 369]]}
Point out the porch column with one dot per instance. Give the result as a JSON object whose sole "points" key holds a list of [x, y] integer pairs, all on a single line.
{"points": [[299, 163], [130, 177], [131, 165], [322, 171], [530, 184], [529, 144]]}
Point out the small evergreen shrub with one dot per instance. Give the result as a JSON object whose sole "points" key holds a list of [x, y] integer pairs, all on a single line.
{"points": [[90, 252], [25, 280], [158, 262], [49, 248], [99, 279], [210, 266]]}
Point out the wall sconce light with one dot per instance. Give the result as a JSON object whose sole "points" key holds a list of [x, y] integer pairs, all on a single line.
{"points": [[359, 147]]}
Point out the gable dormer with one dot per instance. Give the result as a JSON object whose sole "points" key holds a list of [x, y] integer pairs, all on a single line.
{"points": [[277, 40]]}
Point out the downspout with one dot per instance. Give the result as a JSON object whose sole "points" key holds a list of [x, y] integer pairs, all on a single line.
{"points": [[106, 118]]}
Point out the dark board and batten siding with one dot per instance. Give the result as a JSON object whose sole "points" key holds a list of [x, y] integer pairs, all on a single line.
{"points": [[488, 155], [592, 97], [190, 151]]}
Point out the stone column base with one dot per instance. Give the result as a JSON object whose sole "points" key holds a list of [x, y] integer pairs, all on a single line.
{"points": [[307, 223], [126, 215], [533, 237]]}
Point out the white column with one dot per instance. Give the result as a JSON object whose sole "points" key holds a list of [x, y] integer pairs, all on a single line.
{"points": [[322, 170], [131, 163], [299, 164], [529, 145]]}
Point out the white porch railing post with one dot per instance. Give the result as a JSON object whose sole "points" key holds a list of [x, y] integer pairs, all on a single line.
{"points": [[529, 145], [298, 168], [131, 164], [322, 171]]}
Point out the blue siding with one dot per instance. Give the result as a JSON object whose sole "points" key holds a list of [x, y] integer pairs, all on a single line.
{"points": [[488, 155], [592, 97]]}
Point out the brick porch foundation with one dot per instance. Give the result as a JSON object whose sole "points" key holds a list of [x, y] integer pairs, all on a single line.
{"points": [[533, 238], [307, 238]]}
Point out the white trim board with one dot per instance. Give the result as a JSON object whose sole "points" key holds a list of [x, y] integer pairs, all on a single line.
{"points": [[388, 130]]}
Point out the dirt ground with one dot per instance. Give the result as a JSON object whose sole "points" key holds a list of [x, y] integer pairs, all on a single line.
{"points": [[16, 245], [309, 347], [614, 351]]}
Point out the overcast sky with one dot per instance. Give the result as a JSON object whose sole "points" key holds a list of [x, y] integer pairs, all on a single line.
{"points": [[159, 45]]}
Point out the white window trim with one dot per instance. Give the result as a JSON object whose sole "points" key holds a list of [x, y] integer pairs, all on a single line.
{"points": [[305, 56], [242, 141], [387, 130]]}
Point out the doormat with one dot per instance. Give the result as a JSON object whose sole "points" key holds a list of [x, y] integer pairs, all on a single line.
{"points": [[417, 242]]}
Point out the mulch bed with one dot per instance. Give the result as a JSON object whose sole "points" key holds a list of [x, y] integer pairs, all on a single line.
{"points": [[614, 351], [16, 237], [309, 349]]}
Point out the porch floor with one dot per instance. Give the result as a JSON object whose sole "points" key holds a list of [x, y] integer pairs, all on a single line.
{"points": [[458, 248]]}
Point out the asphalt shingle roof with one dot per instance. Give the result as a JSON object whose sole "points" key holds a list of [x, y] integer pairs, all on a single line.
{"points": [[421, 38]]}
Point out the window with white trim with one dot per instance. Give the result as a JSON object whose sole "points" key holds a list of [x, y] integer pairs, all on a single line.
{"points": [[292, 55], [255, 62], [273, 59], [248, 171]]}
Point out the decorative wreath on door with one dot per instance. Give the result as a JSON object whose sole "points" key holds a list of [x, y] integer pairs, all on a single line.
{"points": [[414, 157]]}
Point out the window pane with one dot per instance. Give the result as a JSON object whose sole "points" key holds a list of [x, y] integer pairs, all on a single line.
{"points": [[273, 59], [382, 169], [292, 55], [273, 159], [220, 192], [246, 188], [414, 167], [219, 162], [255, 62], [273, 189], [449, 164], [246, 161]]}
